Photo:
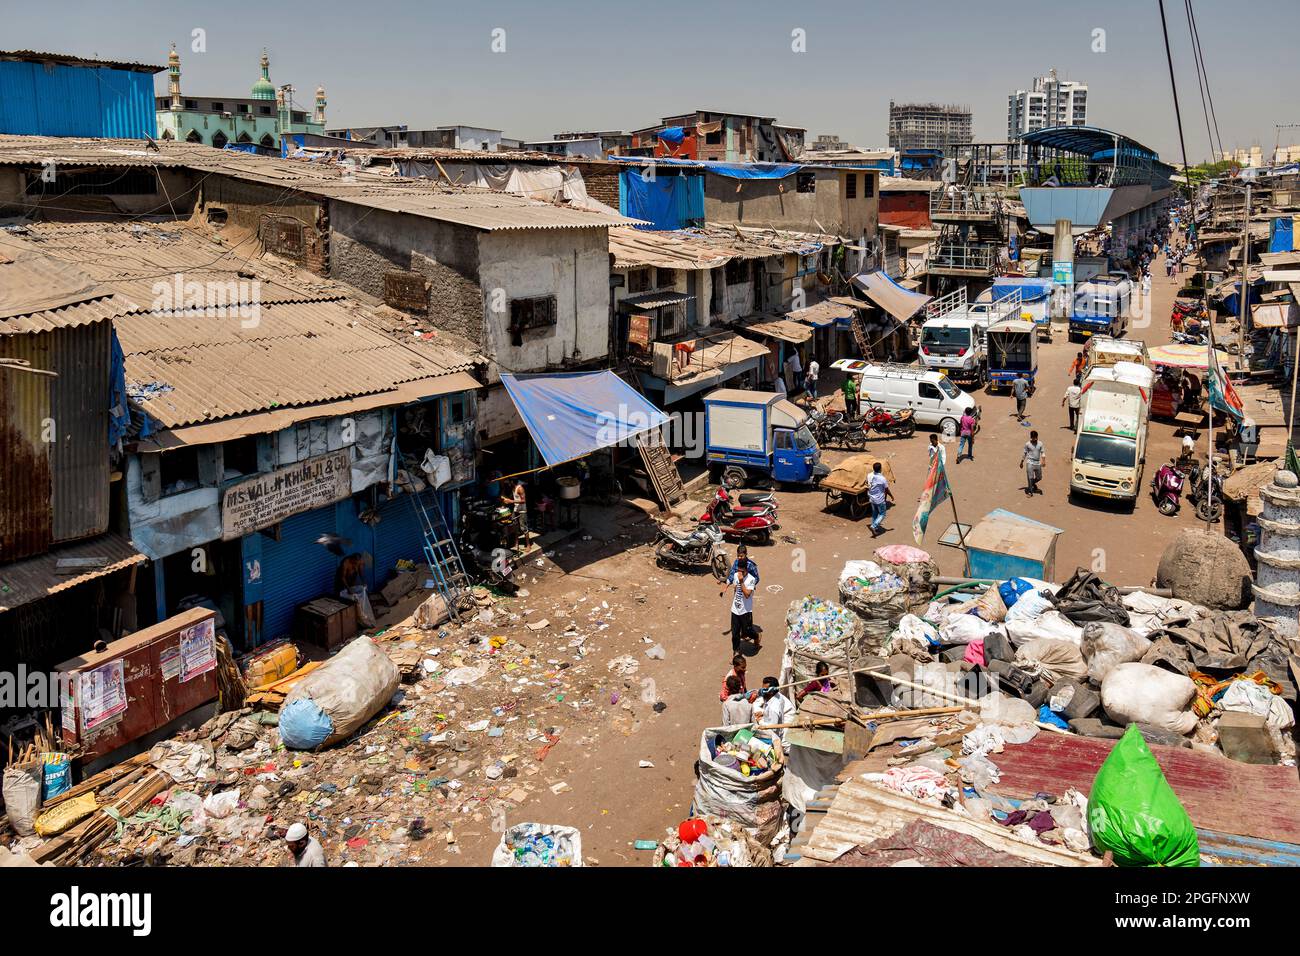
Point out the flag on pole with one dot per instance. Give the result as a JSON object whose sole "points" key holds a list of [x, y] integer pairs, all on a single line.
{"points": [[1222, 395], [933, 495]]}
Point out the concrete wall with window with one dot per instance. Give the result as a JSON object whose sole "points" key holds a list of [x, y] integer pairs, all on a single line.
{"points": [[568, 266], [812, 200]]}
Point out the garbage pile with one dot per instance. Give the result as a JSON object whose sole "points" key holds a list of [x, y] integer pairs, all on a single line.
{"points": [[710, 841], [739, 780], [394, 751]]}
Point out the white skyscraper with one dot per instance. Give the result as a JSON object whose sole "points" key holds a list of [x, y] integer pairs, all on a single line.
{"points": [[1052, 102]]}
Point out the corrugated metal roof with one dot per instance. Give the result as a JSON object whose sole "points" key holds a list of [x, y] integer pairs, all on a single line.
{"points": [[39, 294], [636, 248], [73, 59], [32, 579], [134, 258], [202, 368], [464, 205]]}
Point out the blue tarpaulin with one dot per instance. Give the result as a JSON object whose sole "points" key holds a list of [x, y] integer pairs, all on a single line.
{"points": [[572, 414], [672, 134], [730, 170], [666, 202], [1031, 288], [1279, 239], [119, 415]]}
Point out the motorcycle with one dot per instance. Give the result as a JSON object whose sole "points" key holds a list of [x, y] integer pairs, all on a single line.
{"points": [[754, 527], [838, 430], [1167, 490], [901, 423], [698, 549], [1190, 338], [496, 569], [1206, 492]]}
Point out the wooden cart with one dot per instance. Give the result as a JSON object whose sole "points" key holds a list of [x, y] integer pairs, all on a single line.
{"points": [[848, 482]]}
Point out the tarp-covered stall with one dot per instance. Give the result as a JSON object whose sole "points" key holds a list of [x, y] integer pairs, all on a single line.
{"points": [[572, 414], [889, 295]]}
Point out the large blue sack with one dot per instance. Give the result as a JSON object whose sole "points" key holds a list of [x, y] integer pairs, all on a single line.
{"points": [[1010, 591], [303, 725]]}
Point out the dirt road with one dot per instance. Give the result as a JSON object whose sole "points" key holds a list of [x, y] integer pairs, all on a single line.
{"points": [[611, 799]]}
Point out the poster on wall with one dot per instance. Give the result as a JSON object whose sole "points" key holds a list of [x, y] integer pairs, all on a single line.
{"points": [[269, 498], [198, 649], [101, 694]]}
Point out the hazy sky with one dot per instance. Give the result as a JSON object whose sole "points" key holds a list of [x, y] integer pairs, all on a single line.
{"points": [[581, 64]]}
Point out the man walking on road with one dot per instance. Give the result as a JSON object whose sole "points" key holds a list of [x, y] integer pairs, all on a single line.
{"points": [[966, 443], [1020, 388], [810, 378], [1073, 395], [1032, 460], [878, 493]]}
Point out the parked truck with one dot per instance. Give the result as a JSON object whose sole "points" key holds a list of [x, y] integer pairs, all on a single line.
{"points": [[1013, 351], [1110, 441], [751, 434], [954, 336], [1101, 307]]}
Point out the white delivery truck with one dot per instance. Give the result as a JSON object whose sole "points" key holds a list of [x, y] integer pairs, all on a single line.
{"points": [[1110, 443], [954, 338], [933, 399]]}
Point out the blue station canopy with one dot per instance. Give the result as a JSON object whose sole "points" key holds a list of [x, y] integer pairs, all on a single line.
{"points": [[572, 414], [1031, 288]]}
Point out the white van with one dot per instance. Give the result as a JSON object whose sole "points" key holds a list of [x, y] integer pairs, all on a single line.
{"points": [[933, 399]]}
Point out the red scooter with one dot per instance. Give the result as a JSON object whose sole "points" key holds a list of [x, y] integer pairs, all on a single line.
{"points": [[742, 527], [750, 503], [1167, 489]]}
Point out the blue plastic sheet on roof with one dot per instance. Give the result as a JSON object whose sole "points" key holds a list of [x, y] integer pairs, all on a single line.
{"points": [[1031, 288], [572, 414], [666, 202], [672, 134]]}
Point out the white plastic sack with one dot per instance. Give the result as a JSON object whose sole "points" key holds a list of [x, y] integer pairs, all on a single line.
{"points": [[1051, 624], [22, 793], [1106, 644], [437, 468], [219, 805], [753, 802], [1029, 607], [1248, 697], [1148, 612], [1014, 717], [911, 627], [350, 688], [964, 628], [859, 569], [1144, 694], [1053, 658]]}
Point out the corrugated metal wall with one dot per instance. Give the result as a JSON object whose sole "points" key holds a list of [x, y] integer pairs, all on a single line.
{"points": [[79, 454], [26, 515], [40, 99]]}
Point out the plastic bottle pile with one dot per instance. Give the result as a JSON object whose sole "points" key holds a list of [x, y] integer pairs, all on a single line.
{"points": [[695, 847], [531, 848], [815, 623]]}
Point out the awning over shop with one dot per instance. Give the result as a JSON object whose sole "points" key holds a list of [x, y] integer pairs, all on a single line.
{"points": [[655, 300], [1179, 355], [889, 295], [823, 313], [572, 414], [764, 326], [63, 567]]}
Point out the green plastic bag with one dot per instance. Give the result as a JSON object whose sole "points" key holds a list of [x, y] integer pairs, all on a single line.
{"points": [[1134, 813]]}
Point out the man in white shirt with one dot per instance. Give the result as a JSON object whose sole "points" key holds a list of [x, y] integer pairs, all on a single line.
{"points": [[1073, 396], [795, 368], [877, 493], [742, 584], [780, 386], [772, 707], [810, 379], [304, 850]]}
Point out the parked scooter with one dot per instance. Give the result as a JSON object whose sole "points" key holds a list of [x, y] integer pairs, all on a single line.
{"points": [[1206, 492], [753, 527], [1167, 489], [884, 422], [745, 504], [496, 569], [1190, 338], [837, 430], [699, 549]]}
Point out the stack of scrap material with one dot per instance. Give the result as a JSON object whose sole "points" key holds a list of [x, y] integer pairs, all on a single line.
{"points": [[863, 813], [271, 696]]}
